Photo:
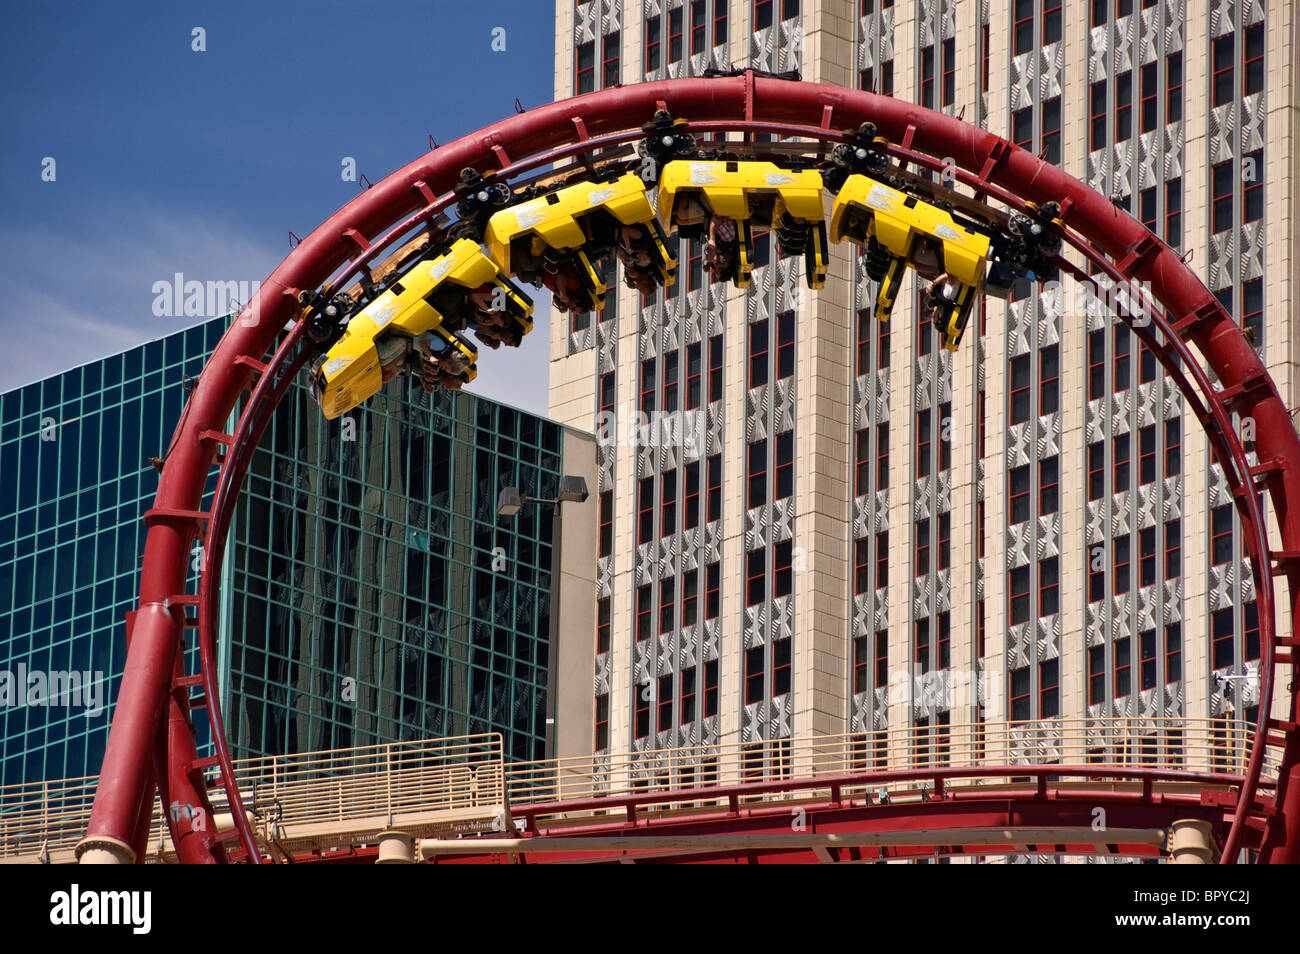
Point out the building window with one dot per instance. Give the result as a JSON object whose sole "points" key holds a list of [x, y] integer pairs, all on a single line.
{"points": [[1221, 534], [1020, 694], [753, 675], [715, 368], [644, 611], [949, 72], [785, 345], [1221, 183], [1096, 674], [1254, 66], [921, 643], [1022, 128], [1099, 12], [693, 376], [1122, 546], [923, 443], [1123, 464], [602, 723], [648, 385], [756, 474], [643, 712], [945, 540], [922, 548], [1051, 134], [665, 700], [1019, 595], [1150, 96], [1096, 364], [1147, 208], [927, 77], [1173, 448], [1020, 389], [1221, 632], [1049, 390], [1018, 481], [1124, 106], [690, 597], [862, 363], [668, 503], [945, 641], [1097, 115], [670, 382], [755, 577], [1174, 212], [1221, 57], [861, 664], [653, 29], [602, 625], [1122, 667], [758, 338], [586, 68], [609, 46], [714, 465], [674, 35], [1252, 308], [781, 667], [882, 559], [606, 523], [1252, 189], [1051, 21], [1096, 572], [667, 603], [782, 569], [712, 591], [1147, 556], [1049, 486], [688, 696], [1173, 549], [607, 392], [862, 566], [1147, 662], [1049, 587], [710, 689], [862, 461], [645, 509], [691, 518], [1049, 689], [1023, 26], [1173, 652], [1250, 645], [784, 466]]}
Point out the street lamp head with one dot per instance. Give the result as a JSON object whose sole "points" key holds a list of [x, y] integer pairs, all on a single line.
{"points": [[509, 502], [573, 489]]}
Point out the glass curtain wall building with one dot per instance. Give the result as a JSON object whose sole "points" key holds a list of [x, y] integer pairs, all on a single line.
{"points": [[75, 480], [371, 593]]}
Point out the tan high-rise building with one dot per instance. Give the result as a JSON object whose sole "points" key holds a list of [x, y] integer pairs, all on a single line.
{"points": [[855, 530]]}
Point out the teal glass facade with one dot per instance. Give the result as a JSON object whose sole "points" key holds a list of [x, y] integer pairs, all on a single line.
{"points": [[378, 560], [74, 483], [375, 595]]}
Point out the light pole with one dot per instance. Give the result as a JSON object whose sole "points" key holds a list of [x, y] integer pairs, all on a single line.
{"points": [[509, 502]]}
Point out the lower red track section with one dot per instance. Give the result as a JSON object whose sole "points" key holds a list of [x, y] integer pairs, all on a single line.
{"points": [[151, 743]]}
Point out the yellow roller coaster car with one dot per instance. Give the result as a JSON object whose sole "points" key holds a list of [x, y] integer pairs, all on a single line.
{"points": [[695, 194], [552, 240], [898, 230], [412, 325]]}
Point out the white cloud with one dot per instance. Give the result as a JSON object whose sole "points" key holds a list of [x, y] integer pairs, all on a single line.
{"points": [[67, 299]]}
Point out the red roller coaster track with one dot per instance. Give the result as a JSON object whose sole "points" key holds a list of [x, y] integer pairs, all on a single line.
{"points": [[151, 743]]}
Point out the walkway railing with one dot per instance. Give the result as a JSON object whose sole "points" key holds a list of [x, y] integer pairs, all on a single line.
{"points": [[380, 785], [420, 785]]}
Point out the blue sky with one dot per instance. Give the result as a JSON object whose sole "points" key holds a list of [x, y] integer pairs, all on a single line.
{"points": [[169, 160]]}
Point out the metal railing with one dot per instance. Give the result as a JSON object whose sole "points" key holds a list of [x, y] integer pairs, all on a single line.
{"points": [[407, 785], [1213, 746], [378, 785]]}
